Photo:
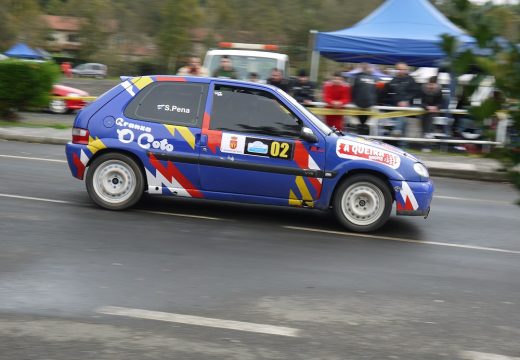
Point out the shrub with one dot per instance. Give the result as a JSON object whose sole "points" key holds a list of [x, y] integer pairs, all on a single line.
{"points": [[25, 84]]}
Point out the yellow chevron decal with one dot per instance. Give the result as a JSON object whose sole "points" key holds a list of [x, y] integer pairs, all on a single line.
{"points": [[142, 81], [302, 187], [185, 133], [293, 200], [95, 145]]}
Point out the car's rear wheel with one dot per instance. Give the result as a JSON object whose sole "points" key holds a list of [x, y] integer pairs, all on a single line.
{"points": [[114, 181], [363, 203], [58, 106]]}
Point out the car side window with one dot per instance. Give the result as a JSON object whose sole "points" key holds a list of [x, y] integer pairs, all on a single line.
{"points": [[176, 103], [252, 111]]}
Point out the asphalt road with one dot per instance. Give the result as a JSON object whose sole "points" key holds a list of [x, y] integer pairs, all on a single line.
{"points": [[181, 279]]}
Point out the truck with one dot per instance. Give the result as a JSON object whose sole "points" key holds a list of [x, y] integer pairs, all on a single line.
{"points": [[248, 58]]}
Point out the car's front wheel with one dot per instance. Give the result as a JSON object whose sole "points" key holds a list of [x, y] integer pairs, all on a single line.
{"points": [[363, 203], [58, 106], [114, 181]]}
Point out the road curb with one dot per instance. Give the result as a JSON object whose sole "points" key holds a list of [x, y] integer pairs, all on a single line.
{"points": [[434, 171], [34, 139], [469, 174]]}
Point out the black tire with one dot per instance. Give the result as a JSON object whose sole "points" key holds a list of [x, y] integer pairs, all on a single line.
{"points": [[362, 203], [115, 181]]}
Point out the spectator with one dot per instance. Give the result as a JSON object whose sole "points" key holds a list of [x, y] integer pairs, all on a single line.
{"points": [[193, 68], [364, 94], [431, 100], [336, 93], [253, 77], [401, 91], [225, 70], [276, 79], [302, 89], [66, 68]]}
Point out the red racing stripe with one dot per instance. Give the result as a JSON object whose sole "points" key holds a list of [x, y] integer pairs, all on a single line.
{"points": [[172, 172]]}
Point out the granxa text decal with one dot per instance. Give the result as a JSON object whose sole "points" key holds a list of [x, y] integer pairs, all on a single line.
{"points": [[358, 151]]}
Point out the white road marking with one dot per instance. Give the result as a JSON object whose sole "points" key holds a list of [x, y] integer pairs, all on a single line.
{"points": [[35, 199], [476, 355], [179, 215], [470, 199], [382, 237], [199, 321], [32, 158]]}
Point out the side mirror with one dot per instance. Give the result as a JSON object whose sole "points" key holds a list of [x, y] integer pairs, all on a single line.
{"points": [[308, 136]]}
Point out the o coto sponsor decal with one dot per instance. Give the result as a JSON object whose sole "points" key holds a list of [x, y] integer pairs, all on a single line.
{"points": [[144, 140], [357, 151]]}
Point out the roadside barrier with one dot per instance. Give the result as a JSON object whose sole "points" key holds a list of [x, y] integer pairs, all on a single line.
{"points": [[378, 113]]}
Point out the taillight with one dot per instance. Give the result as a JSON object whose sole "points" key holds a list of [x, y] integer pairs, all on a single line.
{"points": [[80, 136]]}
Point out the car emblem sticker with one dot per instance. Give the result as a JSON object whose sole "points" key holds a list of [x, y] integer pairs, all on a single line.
{"points": [[232, 143], [348, 149]]}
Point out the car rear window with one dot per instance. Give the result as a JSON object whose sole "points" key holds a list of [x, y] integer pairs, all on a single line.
{"points": [[175, 103]]}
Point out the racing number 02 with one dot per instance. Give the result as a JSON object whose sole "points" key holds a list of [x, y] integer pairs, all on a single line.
{"points": [[279, 149]]}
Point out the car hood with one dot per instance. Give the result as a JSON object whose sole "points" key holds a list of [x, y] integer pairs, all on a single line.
{"points": [[62, 90], [361, 148]]}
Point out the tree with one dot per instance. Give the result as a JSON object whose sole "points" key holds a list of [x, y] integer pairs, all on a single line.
{"points": [[500, 60], [21, 22], [173, 40]]}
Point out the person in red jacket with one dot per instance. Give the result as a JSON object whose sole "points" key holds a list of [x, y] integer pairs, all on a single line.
{"points": [[336, 93]]}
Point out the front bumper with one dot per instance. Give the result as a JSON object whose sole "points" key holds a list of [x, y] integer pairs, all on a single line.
{"points": [[413, 198], [75, 104]]}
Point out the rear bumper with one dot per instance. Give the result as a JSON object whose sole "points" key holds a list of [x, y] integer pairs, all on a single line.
{"points": [[413, 198], [78, 157]]}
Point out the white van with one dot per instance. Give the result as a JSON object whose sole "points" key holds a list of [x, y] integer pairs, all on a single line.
{"points": [[248, 61]]}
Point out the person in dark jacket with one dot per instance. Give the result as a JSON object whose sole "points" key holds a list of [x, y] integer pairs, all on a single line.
{"points": [[303, 89], [431, 100], [276, 79], [364, 94], [400, 92]]}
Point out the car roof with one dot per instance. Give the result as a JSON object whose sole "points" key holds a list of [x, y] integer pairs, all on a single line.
{"points": [[205, 80]]}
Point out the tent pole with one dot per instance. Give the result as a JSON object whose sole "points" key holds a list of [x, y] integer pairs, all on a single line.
{"points": [[315, 56]]}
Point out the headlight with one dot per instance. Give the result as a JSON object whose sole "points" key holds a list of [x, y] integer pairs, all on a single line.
{"points": [[72, 95], [421, 170]]}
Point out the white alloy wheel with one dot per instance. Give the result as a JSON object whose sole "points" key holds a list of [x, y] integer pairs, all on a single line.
{"points": [[114, 181], [363, 203], [58, 106]]}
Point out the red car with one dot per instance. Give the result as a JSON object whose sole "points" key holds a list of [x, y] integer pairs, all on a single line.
{"points": [[62, 106]]}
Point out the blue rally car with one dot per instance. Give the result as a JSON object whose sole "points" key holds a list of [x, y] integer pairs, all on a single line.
{"points": [[237, 141]]}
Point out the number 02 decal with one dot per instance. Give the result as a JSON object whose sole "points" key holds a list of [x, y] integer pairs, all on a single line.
{"points": [[280, 150], [269, 148]]}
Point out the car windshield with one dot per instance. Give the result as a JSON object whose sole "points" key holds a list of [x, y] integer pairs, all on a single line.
{"points": [[244, 65], [315, 121]]}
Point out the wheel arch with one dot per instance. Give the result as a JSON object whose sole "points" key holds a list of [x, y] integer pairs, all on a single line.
{"points": [[353, 172], [128, 153]]}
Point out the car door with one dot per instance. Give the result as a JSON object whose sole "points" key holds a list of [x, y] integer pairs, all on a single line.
{"points": [[163, 121], [255, 147]]}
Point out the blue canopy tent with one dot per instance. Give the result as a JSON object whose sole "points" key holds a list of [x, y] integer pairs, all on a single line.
{"points": [[399, 30], [22, 51]]}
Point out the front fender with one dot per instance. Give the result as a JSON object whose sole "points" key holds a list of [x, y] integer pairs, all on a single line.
{"points": [[405, 172]]}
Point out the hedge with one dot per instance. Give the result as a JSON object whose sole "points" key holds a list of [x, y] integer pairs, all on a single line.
{"points": [[25, 84]]}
